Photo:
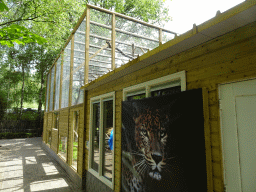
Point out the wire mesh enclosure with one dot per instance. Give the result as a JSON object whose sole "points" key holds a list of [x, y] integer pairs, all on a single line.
{"points": [[57, 88], [101, 41], [66, 76], [52, 88]]}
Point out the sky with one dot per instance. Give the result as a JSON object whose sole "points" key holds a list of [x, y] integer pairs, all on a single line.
{"points": [[185, 13]]}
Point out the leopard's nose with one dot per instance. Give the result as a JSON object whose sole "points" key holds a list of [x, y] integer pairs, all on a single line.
{"points": [[157, 158]]}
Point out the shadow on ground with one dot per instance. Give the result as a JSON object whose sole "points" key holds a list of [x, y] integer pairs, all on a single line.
{"points": [[26, 167]]}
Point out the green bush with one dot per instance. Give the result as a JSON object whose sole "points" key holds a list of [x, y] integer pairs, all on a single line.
{"points": [[3, 105], [16, 135]]}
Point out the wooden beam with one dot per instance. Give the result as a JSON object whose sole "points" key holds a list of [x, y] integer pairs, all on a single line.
{"points": [[106, 49], [127, 17], [108, 56], [113, 42], [71, 71], [54, 86], [122, 31], [48, 107], [87, 41], [96, 53], [45, 110], [160, 36], [207, 136], [120, 42], [61, 78]]}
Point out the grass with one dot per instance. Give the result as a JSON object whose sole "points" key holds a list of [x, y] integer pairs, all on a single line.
{"points": [[74, 150]]}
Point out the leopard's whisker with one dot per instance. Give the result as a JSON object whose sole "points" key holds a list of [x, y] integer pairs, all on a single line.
{"points": [[142, 163], [146, 167], [142, 168], [139, 163]]}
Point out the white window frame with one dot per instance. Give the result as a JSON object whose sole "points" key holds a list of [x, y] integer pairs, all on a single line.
{"points": [[147, 87], [99, 174]]}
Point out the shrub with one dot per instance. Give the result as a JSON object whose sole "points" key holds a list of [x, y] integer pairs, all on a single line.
{"points": [[15, 135]]}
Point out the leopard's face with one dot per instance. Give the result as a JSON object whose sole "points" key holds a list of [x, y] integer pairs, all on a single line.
{"points": [[151, 138]]}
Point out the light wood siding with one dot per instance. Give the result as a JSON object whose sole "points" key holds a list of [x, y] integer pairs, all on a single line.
{"points": [[63, 122], [45, 127], [227, 58], [49, 121], [54, 142], [80, 109]]}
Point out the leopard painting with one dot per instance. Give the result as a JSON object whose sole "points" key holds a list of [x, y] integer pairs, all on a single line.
{"points": [[149, 163], [151, 137]]}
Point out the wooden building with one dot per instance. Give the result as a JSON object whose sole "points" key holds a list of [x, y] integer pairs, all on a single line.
{"points": [[218, 56]]}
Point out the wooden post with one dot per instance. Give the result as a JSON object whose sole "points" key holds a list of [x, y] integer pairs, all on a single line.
{"points": [[46, 110], [87, 38], [160, 36], [54, 88], [207, 140], [61, 78], [113, 42], [71, 71]]}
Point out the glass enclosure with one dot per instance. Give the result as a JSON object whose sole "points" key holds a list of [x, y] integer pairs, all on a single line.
{"points": [[113, 40]]}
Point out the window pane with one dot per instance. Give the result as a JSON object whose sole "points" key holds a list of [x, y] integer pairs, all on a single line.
{"points": [[95, 136], [75, 140], [63, 142], [167, 91], [108, 139], [135, 97]]}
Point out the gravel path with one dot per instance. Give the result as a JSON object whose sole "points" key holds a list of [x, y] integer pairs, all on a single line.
{"points": [[25, 167]]}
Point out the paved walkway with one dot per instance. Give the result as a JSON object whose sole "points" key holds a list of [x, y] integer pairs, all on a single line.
{"points": [[25, 167]]}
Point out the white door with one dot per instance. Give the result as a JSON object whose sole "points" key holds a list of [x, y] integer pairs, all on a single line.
{"points": [[238, 126]]}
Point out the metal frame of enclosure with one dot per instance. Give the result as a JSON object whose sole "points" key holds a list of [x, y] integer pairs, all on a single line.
{"points": [[101, 41]]}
